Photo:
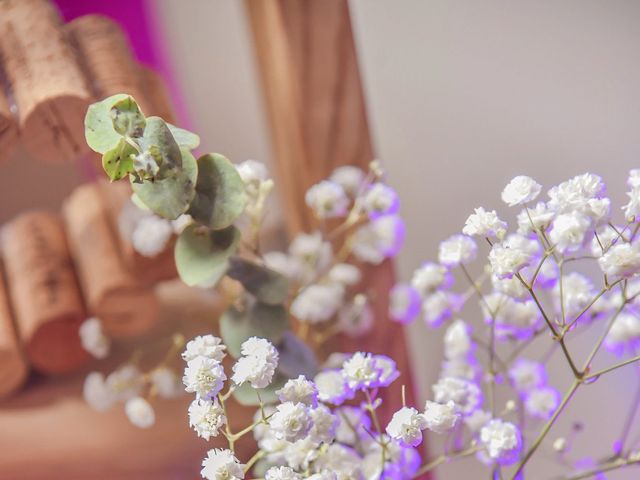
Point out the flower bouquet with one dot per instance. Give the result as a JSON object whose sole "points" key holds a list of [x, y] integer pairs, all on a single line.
{"points": [[316, 410]]}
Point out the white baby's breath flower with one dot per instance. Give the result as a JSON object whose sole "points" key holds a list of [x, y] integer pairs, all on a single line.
{"points": [[332, 387], [606, 237], [527, 375], [166, 383], [506, 261], [311, 251], [577, 292], [361, 370], [574, 194], [317, 303], [291, 421], [483, 223], [257, 364], [464, 394], [430, 277], [439, 307], [568, 232], [299, 390], [125, 382], [350, 178], [204, 376], [355, 318], [282, 263], [388, 370], [512, 287], [406, 425], [327, 199], [404, 303], [344, 274], [253, 173], [325, 425], [343, 461], [221, 465], [621, 260], [96, 392], [521, 190], [380, 199], [206, 417], [140, 412], [151, 235], [281, 473], [534, 219], [632, 208], [93, 338], [502, 440], [477, 420], [379, 239], [542, 402], [456, 250], [457, 340], [440, 418], [625, 332], [207, 346]]}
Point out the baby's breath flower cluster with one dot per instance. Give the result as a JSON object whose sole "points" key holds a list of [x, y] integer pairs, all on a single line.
{"points": [[532, 286]]}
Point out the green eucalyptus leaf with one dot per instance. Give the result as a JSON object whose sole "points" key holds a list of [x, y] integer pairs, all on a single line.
{"points": [[202, 256], [255, 319], [184, 138], [220, 193], [160, 144], [138, 203], [170, 197], [246, 395], [265, 284], [296, 358], [98, 124], [118, 161], [127, 118]]}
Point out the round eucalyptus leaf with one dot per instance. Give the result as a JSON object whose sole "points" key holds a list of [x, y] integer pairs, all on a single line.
{"points": [[265, 284], [170, 197], [255, 319], [220, 193], [139, 203], [184, 138], [160, 144], [118, 162], [98, 124], [127, 118], [202, 256], [296, 358], [246, 395]]}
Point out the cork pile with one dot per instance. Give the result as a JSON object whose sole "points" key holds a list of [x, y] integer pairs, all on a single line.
{"points": [[50, 73], [59, 269]]}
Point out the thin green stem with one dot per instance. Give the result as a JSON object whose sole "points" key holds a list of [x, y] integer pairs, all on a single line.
{"points": [[546, 428], [427, 467], [612, 368], [604, 467]]}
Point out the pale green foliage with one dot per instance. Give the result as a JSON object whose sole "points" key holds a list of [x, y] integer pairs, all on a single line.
{"points": [[99, 131], [265, 284], [253, 319], [202, 256], [127, 118], [220, 193]]}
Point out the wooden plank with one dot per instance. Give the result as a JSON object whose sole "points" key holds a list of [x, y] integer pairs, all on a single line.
{"points": [[316, 107]]}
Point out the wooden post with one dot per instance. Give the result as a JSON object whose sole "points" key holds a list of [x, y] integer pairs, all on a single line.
{"points": [[316, 108]]}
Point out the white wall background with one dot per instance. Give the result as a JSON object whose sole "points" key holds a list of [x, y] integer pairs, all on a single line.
{"points": [[463, 95]]}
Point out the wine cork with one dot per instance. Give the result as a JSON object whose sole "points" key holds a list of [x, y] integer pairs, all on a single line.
{"points": [[158, 94], [8, 129], [123, 215], [44, 292], [106, 56], [13, 365], [112, 292], [46, 81]]}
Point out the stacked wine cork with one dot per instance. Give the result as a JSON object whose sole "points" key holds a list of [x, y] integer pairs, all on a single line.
{"points": [[50, 73], [61, 269]]}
